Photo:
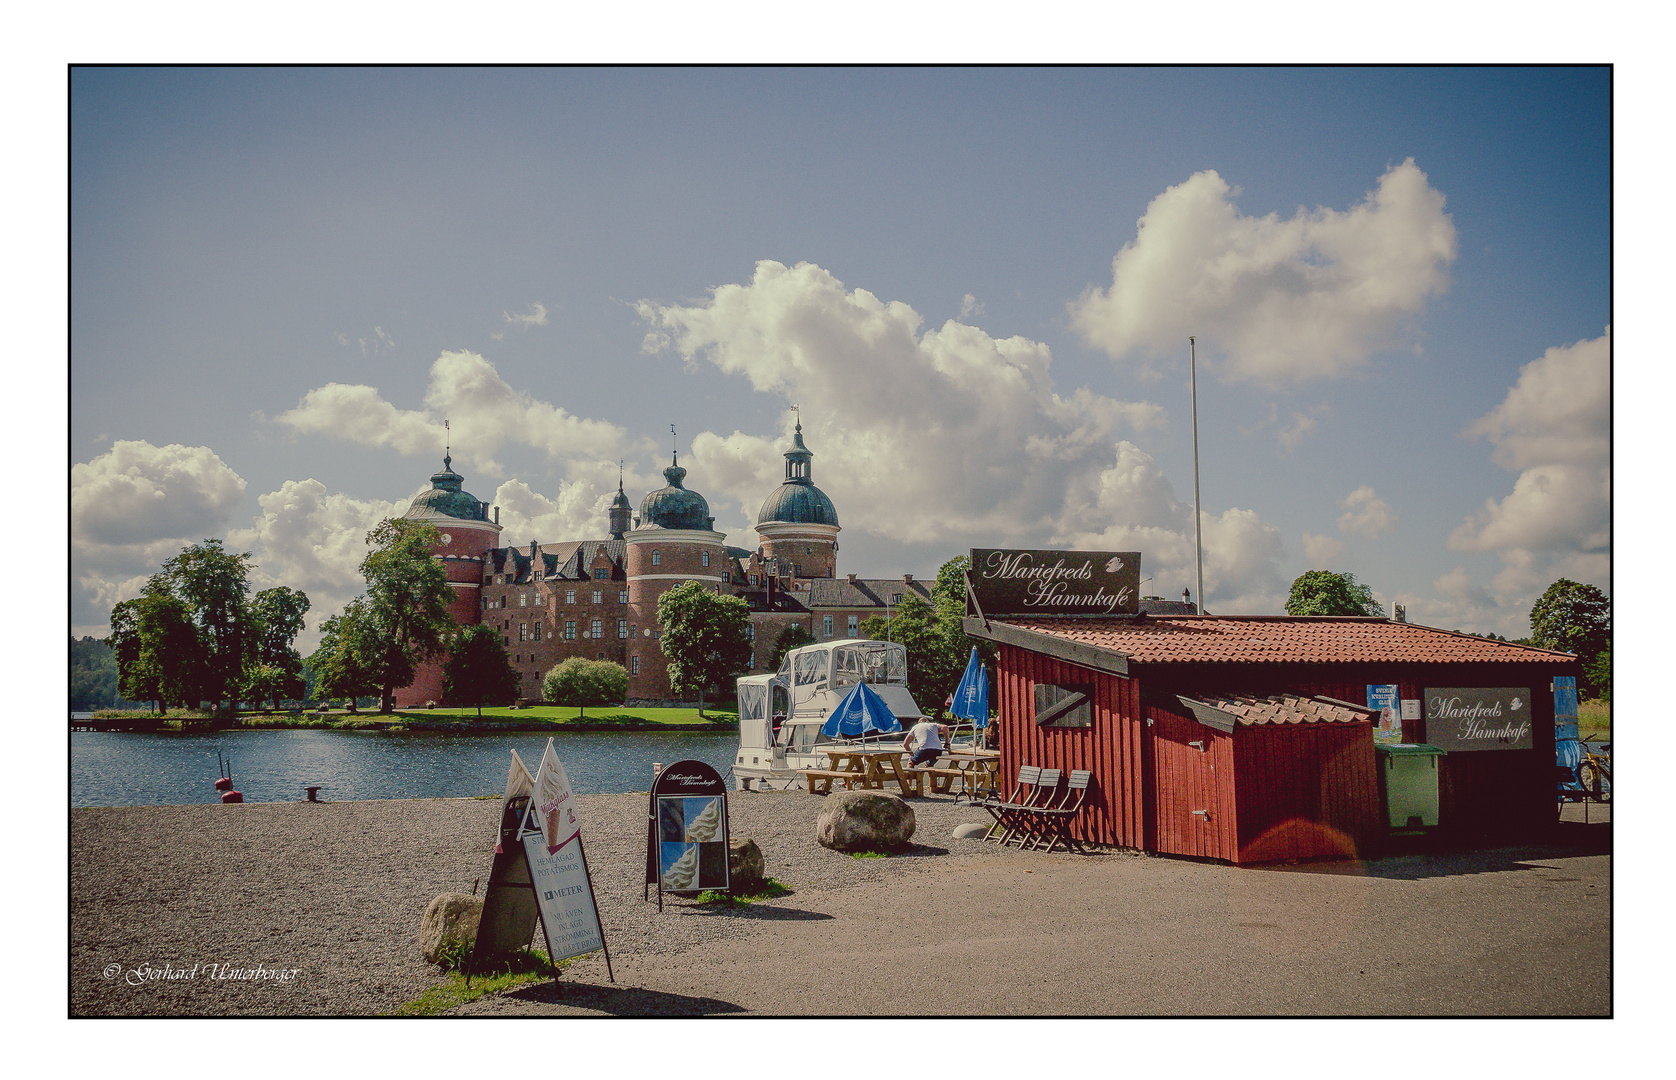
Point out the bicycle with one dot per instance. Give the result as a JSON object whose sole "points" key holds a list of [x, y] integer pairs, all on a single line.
{"points": [[1595, 772]]}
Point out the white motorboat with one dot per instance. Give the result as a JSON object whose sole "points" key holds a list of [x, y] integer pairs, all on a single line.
{"points": [[780, 715]]}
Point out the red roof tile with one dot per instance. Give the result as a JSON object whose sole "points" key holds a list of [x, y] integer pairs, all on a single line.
{"points": [[1235, 639], [1285, 709]]}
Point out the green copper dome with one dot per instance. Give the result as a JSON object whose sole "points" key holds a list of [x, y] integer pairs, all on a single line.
{"points": [[674, 507], [446, 498], [797, 500]]}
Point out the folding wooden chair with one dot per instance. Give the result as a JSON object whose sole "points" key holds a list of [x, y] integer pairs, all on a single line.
{"points": [[997, 805], [1056, 820], [1027, 821]]}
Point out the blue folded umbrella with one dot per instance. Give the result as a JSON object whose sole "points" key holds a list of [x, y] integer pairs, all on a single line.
{"points": [[861, 711], [971, 697]]}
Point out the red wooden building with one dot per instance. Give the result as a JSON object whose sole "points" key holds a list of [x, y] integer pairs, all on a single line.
{"points": [[1245, 738]]}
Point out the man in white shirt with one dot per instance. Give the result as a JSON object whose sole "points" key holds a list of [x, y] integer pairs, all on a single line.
{"points": [[925, 739]]}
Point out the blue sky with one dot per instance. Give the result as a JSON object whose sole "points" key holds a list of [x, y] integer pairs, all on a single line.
{"points": [[282, 280]]}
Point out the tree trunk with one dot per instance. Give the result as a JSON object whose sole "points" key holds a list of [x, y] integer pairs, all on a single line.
{"points": [[387, 700], [480, 710]]}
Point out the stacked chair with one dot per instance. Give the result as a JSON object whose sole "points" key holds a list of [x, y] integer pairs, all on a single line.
{"points": [[1036, 813]]}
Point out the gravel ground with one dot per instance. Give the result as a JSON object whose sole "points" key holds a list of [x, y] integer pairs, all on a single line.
{"points": [[334, 892]]}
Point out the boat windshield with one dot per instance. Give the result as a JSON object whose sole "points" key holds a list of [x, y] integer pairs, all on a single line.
{"points": [[874, 662], [810, 669], [800, 738], [753, 701]]}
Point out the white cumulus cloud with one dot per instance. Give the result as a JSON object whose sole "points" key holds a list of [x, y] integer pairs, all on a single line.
{"points": [[947, 435], [136, 491], [1365, 513], [535, 316], [484, 412], [1310, 296], [1320, 551]]}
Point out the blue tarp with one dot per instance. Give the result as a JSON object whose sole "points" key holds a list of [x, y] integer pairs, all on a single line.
{"points": [[971, 697], [861, 711]]}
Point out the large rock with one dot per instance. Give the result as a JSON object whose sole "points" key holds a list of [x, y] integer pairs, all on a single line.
{"points": [[450, 917], [865, 821], [745, 869]]}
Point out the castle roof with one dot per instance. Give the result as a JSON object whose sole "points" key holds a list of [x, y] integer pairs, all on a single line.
{"points": [[674, 507], [797, 500], [446, 498]]}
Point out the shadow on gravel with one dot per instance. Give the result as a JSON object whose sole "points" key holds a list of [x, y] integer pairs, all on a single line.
{"points": [[1418, 862], [756, 911], [618, 1001]]}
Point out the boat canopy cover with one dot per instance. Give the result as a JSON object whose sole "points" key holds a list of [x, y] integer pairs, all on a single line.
{"points": [[861, 711]]}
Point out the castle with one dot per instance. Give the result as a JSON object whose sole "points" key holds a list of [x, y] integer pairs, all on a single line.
{"points": [[598, 599]]}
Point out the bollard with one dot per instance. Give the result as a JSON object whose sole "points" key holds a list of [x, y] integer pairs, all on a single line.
{"points": [[311, 791], [232, 797]]}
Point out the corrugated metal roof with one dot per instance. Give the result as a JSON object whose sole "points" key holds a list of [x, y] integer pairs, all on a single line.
{"points": [[1184, 639]]}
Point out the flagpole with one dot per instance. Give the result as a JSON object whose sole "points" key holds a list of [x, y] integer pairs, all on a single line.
{"points": [[1198, 542]]}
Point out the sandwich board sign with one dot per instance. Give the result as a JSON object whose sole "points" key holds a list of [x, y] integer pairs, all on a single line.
{"points": [[686, 831], [542, 859]]}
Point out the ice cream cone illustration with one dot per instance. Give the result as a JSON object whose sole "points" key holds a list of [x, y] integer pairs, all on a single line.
{"points": [[683, 876], [707, 826]]}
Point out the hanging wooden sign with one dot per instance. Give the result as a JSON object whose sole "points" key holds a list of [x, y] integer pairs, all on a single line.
{"points": [[686, 831], [1013, 581]]}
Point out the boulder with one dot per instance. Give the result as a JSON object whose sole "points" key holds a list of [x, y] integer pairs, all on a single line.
{"points": [[744, 865], [970, 832], [865, 821], [450, 917]]}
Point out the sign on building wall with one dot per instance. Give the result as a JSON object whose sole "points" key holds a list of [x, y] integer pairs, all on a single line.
{"points": [[1384, 698], [1473, 718], [1014, 581]]}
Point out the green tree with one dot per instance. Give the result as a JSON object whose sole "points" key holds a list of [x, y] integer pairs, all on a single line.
{"points": [[278, 614], [261, 683], [792, 637], [1322, 592], [93, 675], [704, 637], [346, 661], [477, 671], [159, 650], [1575, 618], [214, 584], [407, 601], [582, 683]]}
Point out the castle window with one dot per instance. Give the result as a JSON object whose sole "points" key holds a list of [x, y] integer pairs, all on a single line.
{"points": [[488, 579], [622, 596], [726, 577], [852, 627], [750, 632], [598, 596], [753, 579], [570, 630], [523, 631], [826, 626], [570, 596], [622, 628], [634, 665], [599, 573], [598, 629], [657, 557], [536, 630], [704, 558], [523, 600], [657, 635]]}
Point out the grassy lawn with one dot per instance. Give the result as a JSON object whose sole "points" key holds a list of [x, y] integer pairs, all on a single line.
{"points": [[1594, 718], [557, 714]]}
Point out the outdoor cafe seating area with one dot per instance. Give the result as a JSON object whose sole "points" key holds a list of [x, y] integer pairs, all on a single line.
{"points": [[965, 772]]}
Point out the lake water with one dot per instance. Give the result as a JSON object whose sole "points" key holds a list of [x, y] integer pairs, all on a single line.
{"points": [[124, 769]]}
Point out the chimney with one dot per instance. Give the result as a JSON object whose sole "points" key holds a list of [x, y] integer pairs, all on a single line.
{"points": [[851, 577], [1187, 596], [497, 515], [1399, 613], [907, 579]]}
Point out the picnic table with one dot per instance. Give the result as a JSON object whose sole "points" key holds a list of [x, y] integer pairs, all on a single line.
{"points": [[973, 770], [867, 767]]}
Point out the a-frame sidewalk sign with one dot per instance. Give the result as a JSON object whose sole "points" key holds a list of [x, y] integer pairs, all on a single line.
{"points": [[686, 832], [540, 872]]}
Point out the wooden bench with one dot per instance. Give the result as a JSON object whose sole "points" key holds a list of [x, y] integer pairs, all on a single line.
{"points": [[942, 780], [820, 781]]}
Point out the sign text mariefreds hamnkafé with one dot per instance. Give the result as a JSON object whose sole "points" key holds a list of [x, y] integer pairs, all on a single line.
{"points": [[1474, 718], [1012, 581]]}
